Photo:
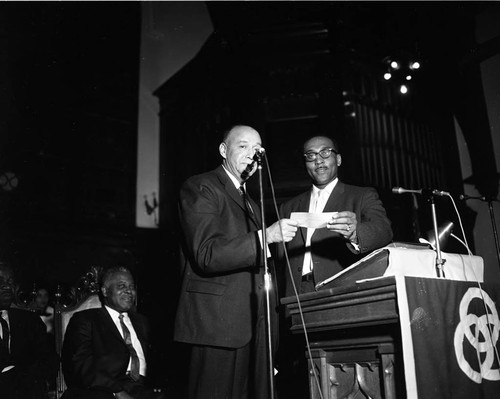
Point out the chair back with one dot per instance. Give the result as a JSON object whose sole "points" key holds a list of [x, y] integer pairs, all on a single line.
{"points": [[84, 296]]}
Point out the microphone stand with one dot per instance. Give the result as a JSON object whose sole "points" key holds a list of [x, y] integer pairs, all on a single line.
{"points": [[492, 217], [494, 226], [267, 280], [439, 260]]}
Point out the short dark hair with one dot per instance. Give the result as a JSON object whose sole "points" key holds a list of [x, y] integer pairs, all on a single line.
{"points": [[110, 271]]}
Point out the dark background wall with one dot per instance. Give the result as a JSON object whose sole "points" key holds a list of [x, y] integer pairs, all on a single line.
{"points": [[69, 120]]}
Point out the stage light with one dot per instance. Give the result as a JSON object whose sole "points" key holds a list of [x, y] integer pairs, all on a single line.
{"points": [[399, 70], [415, 65]]}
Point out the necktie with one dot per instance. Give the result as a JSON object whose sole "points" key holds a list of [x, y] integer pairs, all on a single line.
{"points": [[5, 333], [134, 367], [243, 194], [316, 205]]}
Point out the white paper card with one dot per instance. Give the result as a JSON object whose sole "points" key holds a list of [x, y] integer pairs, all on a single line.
{"points": [[312, 220]]}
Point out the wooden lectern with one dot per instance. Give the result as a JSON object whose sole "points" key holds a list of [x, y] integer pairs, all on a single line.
{"points": [[355, 339], [353, 325]]}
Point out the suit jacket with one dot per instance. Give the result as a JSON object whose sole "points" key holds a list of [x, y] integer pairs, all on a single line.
{"points": [[94, 355], [330, 252], [34, 358], [222, 287]]}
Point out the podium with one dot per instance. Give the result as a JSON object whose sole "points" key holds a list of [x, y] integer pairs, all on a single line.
{"points": [[354, 337], [368, 335]]}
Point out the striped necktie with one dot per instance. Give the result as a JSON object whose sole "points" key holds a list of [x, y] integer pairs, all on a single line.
{"points": [[244, 195], [134, 367]]}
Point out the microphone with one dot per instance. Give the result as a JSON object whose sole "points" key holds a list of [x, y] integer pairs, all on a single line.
{"points": [[257, 157], [441, 193], [401, 190], [422, 191], [465, 197], [259, 153]]}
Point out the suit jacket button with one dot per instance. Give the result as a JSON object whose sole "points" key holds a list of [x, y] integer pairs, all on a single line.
{"points": [[299, 269]]}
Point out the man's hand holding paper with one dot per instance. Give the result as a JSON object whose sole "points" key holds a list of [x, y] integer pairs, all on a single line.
{"points": [[312, 220], [344, 223]]}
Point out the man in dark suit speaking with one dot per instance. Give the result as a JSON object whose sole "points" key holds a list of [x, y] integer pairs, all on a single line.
{"points": [[221, 311], [105, 350]]}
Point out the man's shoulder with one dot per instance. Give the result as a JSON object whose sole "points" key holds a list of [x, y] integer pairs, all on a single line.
{"points": [[22, 314], [89, 314], [26, 319], [138, 317], [211, 175], [357, 189], [212, 181]]}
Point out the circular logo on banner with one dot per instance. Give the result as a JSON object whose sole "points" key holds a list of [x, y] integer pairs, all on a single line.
{"points": [[481, 332]]}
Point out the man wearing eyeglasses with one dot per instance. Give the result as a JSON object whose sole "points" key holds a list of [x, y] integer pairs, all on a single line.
{"points": [[358, 226]]}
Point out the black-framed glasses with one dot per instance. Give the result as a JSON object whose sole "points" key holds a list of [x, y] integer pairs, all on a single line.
{"points": [[325, 153]]}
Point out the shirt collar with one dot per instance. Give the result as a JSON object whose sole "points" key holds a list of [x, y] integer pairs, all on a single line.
{"points": [[235, 181], [115, 314], [327, 189]]}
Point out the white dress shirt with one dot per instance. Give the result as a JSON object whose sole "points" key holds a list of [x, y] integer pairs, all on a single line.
{"points": [[319, 198], [135, 341], [5, 316]]}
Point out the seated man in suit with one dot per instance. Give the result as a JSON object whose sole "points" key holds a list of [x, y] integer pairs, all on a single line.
{"points": [[105, 350], [27, 362]]}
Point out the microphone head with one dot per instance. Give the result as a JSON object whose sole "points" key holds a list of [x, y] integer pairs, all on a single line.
{"points": [[258, 154], [397, 190]]}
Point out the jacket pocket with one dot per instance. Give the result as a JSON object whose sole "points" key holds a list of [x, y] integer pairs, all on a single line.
{"points": [[206, 287]]}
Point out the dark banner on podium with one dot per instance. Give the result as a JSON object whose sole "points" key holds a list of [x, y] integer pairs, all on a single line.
{"points": [[452, 329]]}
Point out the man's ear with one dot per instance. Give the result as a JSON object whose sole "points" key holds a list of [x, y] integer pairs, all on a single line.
{"points": [[104, 292], [222, 149], [339, 159]]}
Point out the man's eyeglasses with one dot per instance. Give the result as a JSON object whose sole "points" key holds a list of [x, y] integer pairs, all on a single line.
{"points": [[325, 153]]}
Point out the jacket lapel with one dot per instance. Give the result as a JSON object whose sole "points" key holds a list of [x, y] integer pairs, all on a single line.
{"points": [[255, 216], [333, 203], [233, 193], [303, 206], [109, 325]]}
